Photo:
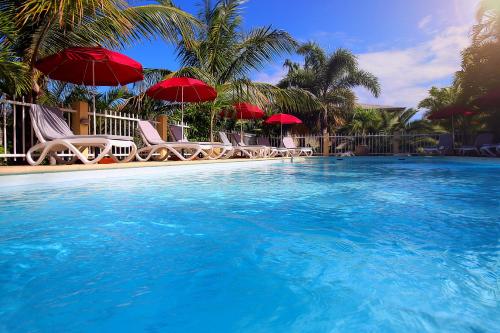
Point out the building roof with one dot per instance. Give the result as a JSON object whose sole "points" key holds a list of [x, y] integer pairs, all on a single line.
{"points": [[381, 107]]}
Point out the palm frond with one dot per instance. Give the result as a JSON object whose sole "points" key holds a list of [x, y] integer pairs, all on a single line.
{"points": [[151, 77], [314, 56], [488, 27], [361, 78], [14, 76], [261, 45], [331, 79], [146, 22], [68, 13], [341, 63], [195, 72]]}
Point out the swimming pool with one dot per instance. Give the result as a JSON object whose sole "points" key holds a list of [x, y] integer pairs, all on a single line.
{"points": [[324, 245]]}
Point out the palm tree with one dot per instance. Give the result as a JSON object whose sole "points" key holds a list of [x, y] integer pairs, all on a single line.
{"points": [[11, 69], [12, 73], [331, 78], [43, 27], [363, 121], [439, 98], [481, 60], [487, 28], [403, 121], [389, 122], [223, 55]]}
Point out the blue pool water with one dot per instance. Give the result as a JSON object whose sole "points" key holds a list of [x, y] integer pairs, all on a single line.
{"points": [[325, 245]]}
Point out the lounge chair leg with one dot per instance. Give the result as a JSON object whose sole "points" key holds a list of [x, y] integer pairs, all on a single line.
{"points": [[40, 146], [48, 147], [229, 153], [131, 155]]}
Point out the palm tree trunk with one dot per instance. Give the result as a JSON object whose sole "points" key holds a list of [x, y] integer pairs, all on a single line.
{"points": [[325, 135], [325, 121], [212, 118], [35, 89]]}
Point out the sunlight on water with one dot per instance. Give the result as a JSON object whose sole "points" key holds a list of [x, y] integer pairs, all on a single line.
{"points": [[358, 245]]}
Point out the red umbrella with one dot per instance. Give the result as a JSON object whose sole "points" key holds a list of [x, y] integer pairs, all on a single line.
{"points": [[244, 111], [490, 99], [283, 119], [182, 89], [451, 111], [248, 111], [95, 66]]}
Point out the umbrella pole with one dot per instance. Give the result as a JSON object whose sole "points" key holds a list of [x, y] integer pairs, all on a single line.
{"points": [[281, 129], [241, 132], [182, 113], [452, 133], [93, 96]]}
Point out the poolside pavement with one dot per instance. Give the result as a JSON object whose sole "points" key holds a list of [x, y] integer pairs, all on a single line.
{"points": [[29, 169]]}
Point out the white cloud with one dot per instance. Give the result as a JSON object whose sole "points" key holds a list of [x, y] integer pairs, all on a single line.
{"points": [[424, 22], [272, 75], [406, 74]]}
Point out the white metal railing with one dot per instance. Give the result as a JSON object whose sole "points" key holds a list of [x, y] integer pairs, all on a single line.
{"points": [[16, 132], [364, 144], [17, 135], [116, 123], [373, 143], [113, 123]]}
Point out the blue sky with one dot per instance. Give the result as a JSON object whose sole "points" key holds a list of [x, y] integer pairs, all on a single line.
{"points": [[409, 44]]}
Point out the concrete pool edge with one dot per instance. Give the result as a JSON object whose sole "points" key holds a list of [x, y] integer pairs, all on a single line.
{"points": [[15, 170]]}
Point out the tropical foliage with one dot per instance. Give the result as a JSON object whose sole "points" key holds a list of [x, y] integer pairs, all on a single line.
{"points": [[363, 121], [215, 48], [479, 74], [33, 29], [439, 98], [223, 55], [331, 78]]}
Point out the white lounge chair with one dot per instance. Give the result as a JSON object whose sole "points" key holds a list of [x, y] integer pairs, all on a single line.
{"points": [[483, 139], [343, 147], [249, 152], [54, 135], [262, 151], [155, 144], [264, 141], [212, 150], [490, 149], [289, 144], [444, 146]]}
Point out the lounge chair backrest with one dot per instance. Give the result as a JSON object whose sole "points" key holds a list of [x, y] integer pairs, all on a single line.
{"points": [[445, 140], [49, 123], [288, 143], [237, 139], [483, 139], [176, 133], [264, 141], [149, 134], [224, 139]]}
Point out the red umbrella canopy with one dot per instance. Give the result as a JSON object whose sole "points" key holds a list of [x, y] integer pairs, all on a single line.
{"points": [[182, 89], [92, 66], [245, 111], [490, 99], [450, 111], [283, 118]]}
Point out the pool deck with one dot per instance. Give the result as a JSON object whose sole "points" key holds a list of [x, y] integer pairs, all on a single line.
{"points": [[29, 169]]}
